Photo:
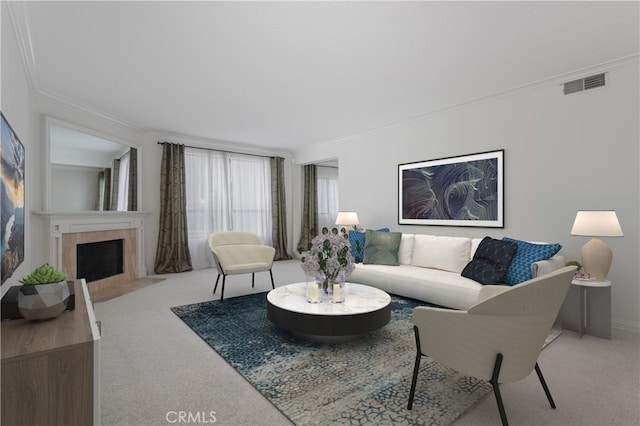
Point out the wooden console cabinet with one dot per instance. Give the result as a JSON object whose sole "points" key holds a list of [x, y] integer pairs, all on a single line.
{"points": [[50, 370]]}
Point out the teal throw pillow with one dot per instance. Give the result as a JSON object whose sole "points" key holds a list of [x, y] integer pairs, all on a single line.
{"points": [[356, 239], [381, 248], [490, 261], [527, 253]]}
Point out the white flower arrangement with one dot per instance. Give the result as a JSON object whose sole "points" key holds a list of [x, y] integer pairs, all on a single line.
{"points": [[329, 259]]}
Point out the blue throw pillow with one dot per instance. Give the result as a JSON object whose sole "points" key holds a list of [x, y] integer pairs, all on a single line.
{"points": [[357, 241], [527, 253], [490, 261]]}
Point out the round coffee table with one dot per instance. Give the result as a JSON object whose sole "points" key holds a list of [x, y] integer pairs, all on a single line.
{"points": [[364, 309]]}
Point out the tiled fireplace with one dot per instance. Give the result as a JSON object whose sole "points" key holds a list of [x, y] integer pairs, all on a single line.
{"points": [[68, 230]]}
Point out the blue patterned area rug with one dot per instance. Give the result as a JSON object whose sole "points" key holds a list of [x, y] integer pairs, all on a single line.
{"points": [[364, 382]]}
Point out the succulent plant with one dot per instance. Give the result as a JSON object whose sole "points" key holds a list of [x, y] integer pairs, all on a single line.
{"points": [[45, 274], [574, 263]]}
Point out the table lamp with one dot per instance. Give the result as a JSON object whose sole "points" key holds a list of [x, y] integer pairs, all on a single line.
{"points": [[348, 219], [596, 255]]}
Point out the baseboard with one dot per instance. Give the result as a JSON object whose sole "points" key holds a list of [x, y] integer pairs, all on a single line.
{"points": [[625, 325]]}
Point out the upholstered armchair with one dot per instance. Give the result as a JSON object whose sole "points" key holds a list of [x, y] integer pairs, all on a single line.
{"points": [[499, 338], [238, 252]]}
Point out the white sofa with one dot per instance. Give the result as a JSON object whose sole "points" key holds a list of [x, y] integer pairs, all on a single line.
{"points": [[429, 270]]}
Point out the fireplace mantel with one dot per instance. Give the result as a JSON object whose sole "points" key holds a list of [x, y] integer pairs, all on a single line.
{"points": [[61, 223], [90, 214]]}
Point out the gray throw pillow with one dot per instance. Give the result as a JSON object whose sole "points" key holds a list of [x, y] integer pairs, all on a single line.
{"points": [[381, 248]]}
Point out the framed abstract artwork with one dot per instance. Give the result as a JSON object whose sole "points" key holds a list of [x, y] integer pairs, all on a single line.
{"points": [[12, 193], [466, 190]]}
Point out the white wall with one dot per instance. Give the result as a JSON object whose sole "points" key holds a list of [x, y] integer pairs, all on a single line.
{"points": [[562, 154], [16, 105]]}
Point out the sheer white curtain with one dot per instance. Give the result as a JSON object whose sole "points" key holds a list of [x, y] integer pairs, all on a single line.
{"points": [[327, 185], [123, 183], [225, 191]]}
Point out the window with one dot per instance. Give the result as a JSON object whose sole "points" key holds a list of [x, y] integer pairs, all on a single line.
{"points": [[225, 191], [327, 186]]}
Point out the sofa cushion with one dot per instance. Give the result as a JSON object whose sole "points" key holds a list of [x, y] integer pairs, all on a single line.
{"points": [[406, 249], [490, 261], [475, 242], [527, 253], [439, 252], [357, 241], [381, 248], [434, 286]]}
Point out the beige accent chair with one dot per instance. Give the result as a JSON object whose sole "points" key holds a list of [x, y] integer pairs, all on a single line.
{"points": [[238, 252], [499, 338]]}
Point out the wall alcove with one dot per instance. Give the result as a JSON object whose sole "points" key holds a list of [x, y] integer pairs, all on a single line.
{"points": [[86, 170]]}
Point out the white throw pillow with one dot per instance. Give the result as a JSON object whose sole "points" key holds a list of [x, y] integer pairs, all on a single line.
{"points": [[446, 253], [406, 249]]}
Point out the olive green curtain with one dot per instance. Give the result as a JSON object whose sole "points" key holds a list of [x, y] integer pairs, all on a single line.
{"points": [[132, 191], [309, 208], [172, 254], [104, 189], [115, 173], [278, 209]]}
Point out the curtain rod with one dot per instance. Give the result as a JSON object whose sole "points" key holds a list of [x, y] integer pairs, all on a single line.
{"points": [[220, 150]]}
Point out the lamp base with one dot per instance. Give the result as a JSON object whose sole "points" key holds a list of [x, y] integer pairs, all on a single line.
{"points": [[596, 258]]}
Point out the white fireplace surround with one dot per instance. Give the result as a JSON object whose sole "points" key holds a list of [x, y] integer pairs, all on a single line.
{"points": [[61, 223]]}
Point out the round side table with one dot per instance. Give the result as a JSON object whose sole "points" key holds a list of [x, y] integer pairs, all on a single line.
{"points": [[594, 308]]}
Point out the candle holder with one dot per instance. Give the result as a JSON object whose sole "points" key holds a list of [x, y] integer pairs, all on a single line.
{"points": [[312, 290], [338, 292]]}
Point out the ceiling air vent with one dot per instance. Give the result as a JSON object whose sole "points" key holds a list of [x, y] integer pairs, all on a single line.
{"points": [[584, 84]]}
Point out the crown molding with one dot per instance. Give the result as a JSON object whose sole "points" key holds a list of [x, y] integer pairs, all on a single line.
{"points": [[22, 32], [86, 109], [22, 29]]}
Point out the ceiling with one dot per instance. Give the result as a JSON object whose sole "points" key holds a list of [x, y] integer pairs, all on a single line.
{"points": [[284, 75]]}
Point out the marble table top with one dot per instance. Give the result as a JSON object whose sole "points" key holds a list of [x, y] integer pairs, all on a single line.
{"points": [[358, 299]]}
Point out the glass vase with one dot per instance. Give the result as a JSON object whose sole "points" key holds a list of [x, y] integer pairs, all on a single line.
{"points": [[325, 288], [331, 289]]}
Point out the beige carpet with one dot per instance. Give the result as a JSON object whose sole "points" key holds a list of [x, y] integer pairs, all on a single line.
{"points": [[153, 364]]}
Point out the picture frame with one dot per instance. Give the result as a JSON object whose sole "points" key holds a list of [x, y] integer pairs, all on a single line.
{"points": [[12, 193], [466, 190]]}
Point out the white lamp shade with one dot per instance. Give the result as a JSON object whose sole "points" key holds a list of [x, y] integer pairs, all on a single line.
{"points": [[347, 218], [599, 223]]}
